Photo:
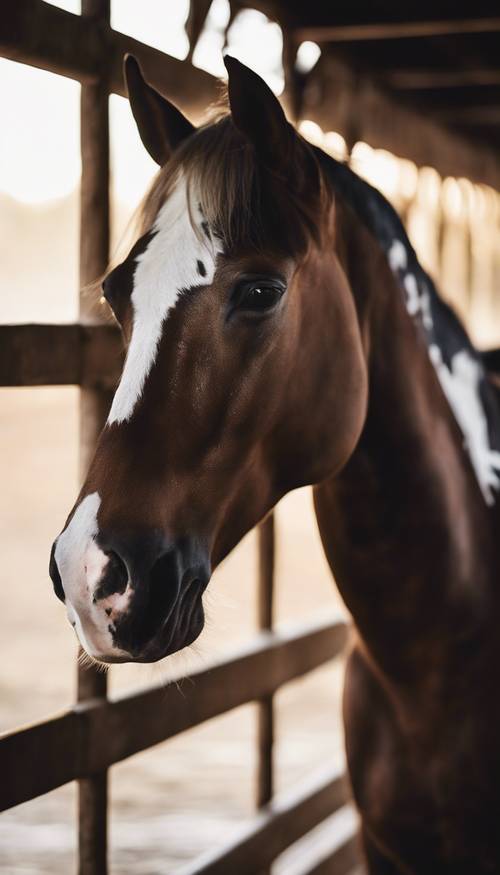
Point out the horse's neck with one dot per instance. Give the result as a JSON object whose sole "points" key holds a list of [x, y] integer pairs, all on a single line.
{"points": [[404, 525]]}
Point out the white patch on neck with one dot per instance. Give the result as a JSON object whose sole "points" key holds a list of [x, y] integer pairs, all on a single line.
{"points": [[397, 255], [461, 387], [460, 384], [164, 270]]}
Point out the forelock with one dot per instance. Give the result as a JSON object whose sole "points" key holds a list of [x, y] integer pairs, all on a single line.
{"points": [[245, 205]]}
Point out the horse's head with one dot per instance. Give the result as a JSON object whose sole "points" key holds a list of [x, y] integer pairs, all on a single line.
{"points": [[244, 376]]}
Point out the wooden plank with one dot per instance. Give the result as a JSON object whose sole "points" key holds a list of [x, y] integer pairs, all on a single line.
{"points": [[40, 355], [469, 115], [85, 48], [421, 79], [265, 714], [94, 403], [281, 823], [340, 861], [44, 36], [387, 30], [60, 355], [93, 735]]}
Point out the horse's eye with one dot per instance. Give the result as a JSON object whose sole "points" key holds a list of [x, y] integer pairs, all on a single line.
{"points": [[260, 296]]}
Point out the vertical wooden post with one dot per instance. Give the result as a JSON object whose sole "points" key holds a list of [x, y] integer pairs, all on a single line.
{"points": [[265, 727], [94, 405]]}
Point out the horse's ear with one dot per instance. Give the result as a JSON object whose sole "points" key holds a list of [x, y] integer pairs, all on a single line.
{"points": [[258, 114], [161, 125]]}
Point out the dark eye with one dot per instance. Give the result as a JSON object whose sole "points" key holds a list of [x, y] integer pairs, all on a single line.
{"points": [[258, 296]]}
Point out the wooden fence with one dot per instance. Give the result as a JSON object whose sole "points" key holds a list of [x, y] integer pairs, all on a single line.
{"points": [[83, 742]]}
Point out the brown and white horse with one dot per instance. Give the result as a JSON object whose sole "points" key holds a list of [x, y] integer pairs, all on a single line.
{"points": [[281, 332]]}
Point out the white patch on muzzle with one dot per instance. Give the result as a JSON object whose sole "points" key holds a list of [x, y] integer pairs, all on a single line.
{"points": [[81, 564], [166, 268]]}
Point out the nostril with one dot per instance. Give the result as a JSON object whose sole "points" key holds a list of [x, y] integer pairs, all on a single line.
{"points": [[115, 578], [54, 574], [156, 600], [163, 586]]}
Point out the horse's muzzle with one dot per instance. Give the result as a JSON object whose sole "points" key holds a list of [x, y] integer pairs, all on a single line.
{"points": [[144, 602]]}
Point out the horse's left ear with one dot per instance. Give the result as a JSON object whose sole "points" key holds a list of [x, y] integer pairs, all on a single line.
{"points": [[258, 114], [161, 125]]}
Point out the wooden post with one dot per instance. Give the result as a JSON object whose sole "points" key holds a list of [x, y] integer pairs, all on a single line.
{"points": [[94, 404], [265, 728]]}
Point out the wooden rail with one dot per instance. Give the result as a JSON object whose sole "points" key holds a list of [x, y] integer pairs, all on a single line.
{"points": [[60, 355], [93, 735], [87, 48], [278, 825], [343, 859]]}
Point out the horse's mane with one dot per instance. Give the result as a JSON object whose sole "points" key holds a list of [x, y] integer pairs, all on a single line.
{"points": [[442, 329]]}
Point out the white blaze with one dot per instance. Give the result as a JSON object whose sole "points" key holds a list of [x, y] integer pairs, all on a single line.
{"points": [[81, 564], [167, 267]]}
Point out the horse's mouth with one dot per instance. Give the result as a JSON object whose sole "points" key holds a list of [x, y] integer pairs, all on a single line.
{"points": [[179, 629]]}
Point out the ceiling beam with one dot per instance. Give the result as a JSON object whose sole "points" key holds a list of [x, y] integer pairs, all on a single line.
{"points": [[419, 80], [397, 29], [470, 115]]}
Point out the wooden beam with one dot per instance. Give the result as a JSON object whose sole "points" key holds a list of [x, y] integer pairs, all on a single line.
{"points": [[419, 80], [85, 48], [278, 825], [388, 30], [60, 355], [93, 735], [469, 115], [94, 403], [341, 861], [265, 716]]}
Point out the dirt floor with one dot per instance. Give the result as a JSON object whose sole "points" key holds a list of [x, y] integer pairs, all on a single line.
{"points": [[188, 795]]}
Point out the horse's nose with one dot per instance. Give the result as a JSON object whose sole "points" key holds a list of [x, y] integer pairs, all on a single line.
{"points": [[150, 591], [131, 596]]}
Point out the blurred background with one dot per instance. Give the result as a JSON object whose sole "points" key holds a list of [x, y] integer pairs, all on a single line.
{"points": [[181, 798]]}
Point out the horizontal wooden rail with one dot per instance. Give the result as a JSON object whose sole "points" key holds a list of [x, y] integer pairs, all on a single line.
{"points": [[49, 355], [340, 861], [93, 735], [276, 827], [82, 48]]}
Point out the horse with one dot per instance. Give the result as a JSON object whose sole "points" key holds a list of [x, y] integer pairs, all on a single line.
{"points": [[280, 332]]}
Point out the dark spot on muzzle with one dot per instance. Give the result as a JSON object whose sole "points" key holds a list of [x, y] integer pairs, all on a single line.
{"points": [[55, 576]]}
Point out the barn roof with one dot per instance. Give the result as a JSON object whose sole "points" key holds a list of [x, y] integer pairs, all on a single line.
{"points": [[436, 60]]}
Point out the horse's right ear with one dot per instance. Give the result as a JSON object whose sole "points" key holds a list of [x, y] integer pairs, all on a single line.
{"points": [[258, 114], [162, 127]]}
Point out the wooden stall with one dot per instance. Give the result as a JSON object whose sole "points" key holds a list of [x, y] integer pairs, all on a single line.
{"points": [[351, 92]]}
